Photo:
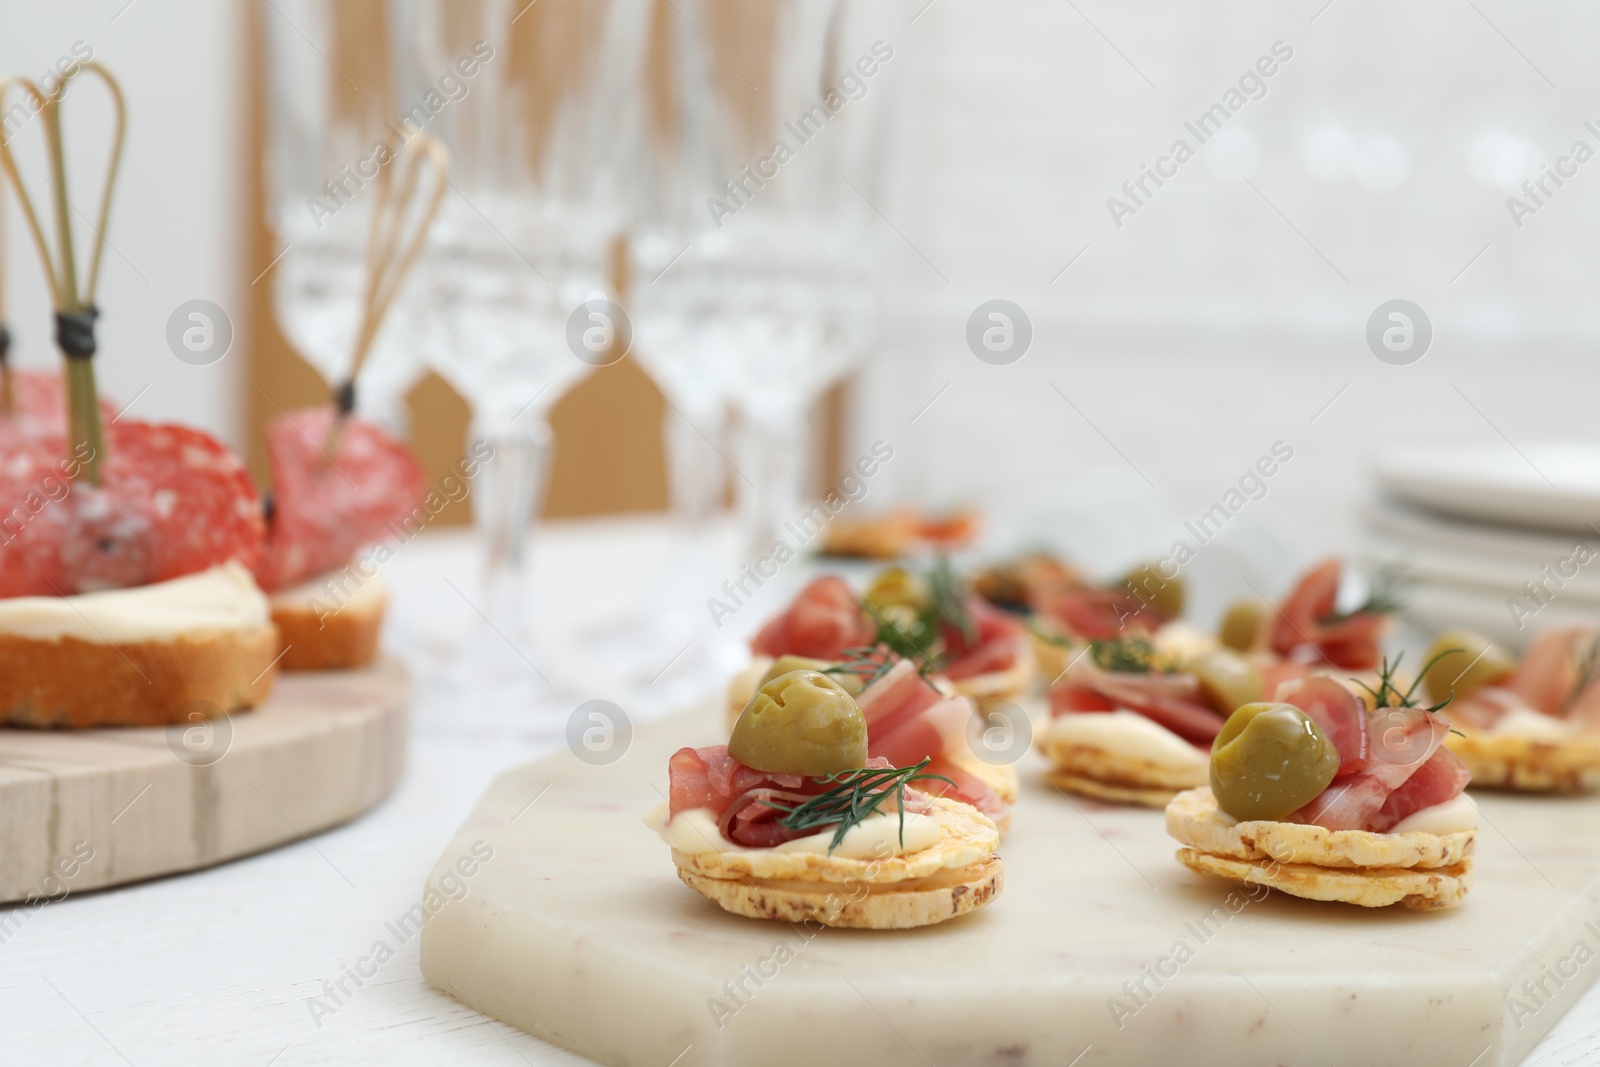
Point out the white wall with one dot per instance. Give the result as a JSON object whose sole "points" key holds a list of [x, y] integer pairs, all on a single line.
{"points": [[178, 216], [1207, 327]]}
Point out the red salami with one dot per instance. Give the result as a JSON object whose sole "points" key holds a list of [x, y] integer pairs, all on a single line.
{"points": [[40, 407], [172, 501], [328, 507]]}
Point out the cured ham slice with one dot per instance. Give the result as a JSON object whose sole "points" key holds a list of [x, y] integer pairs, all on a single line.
{"points": [[1094, 614], [1442, 777], [968, 788], [1304, 628], [738, 795], [824, 620], [1170, 700], [939, 728], [1401, 742], [999, 640], [1337, 711], [1548, 671]]}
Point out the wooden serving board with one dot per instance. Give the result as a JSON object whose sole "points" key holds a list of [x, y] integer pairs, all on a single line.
{"points": [[92, 808], [1102, 949]]}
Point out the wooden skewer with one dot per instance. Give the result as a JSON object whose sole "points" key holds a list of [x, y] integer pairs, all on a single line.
{"points": [[8, 401], [75, 307], [391, 253]]}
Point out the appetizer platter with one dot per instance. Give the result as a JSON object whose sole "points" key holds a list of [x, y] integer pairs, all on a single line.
{"points": [[152, 599], [1100, 940], [823, 848]]}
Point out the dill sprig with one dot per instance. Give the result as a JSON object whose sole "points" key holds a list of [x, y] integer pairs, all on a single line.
{"points": [[1389, 695], [1385, 597], [1588, 670], [857, 795], [866, 662], [948, 597], [1131, 655]]}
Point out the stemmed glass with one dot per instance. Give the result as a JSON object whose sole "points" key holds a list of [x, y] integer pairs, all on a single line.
{"points": [[783, 247], [522, 251], [320, 169]]}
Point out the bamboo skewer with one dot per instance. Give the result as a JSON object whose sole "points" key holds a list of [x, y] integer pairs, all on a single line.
{"points": [[391, 254], [75, 307]]}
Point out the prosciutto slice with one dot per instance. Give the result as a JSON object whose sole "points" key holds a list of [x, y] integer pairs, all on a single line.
{"points": [[1170, 700], [824, 620], [1439, 779], [1001, 639], [1401, 741], [1545, 680], [1304, 628], [739, 795], [1342, 717], [1094, 614]]}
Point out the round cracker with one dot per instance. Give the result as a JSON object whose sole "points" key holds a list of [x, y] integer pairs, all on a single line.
{"points": [[1110, 792], [920, 902], [1194, 819], [966, 836], [1529, 765], [1422, 890], [1117, 769]]}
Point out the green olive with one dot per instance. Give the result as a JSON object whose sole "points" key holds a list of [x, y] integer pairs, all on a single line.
{"points": [[897, 587], [1163, 594], [1462, 662], [1227, 680], [1269, 761], [1242, 625], [801, 722], [850, 683]]}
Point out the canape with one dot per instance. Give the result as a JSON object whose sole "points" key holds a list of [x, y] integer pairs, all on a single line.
{"points": [[930, 617], [1529, 726], [1133, 717], [912, 715], [793, 821], [1323, 798], [897, 534]]}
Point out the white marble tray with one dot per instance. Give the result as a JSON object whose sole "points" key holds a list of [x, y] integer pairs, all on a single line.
{"points": [[578, 931]]}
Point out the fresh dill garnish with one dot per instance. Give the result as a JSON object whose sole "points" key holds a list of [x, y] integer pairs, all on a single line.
{"points": [[948, 599], [867, 662], [1133, 655], [1384, 597], [921, 637], [1389, 695], [857, 795], [1588, 670]]}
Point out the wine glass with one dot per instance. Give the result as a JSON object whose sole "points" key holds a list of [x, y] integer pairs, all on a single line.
{"points": [[521, 255], [321, 167]]}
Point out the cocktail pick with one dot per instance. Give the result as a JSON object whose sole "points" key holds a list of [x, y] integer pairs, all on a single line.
{"points": [[392, 250], [8, 400], [75, 307]]}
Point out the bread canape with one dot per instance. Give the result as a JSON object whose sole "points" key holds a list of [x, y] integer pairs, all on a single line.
{"points": [[897, 534], [931, 616], [1530, 725], [125, 546], [912, 715], [340, 483], [1321, 797], [1133, 717], [793, 821]]}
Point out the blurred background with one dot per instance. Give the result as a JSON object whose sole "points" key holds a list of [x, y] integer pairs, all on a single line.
{"points": [[1000, 151]]}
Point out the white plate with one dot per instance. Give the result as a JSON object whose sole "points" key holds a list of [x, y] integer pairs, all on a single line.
{"points": [[1550, 486]]}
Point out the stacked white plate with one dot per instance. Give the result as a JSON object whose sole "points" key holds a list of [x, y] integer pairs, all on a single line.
{"points": [[1498, 540]]}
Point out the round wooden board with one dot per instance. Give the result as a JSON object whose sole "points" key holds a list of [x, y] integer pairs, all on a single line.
{"points": [[92, 808]]}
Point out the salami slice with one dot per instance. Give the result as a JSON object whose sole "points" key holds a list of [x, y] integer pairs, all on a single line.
{"points": [[172, 501], [328, 507], [39, 401]]}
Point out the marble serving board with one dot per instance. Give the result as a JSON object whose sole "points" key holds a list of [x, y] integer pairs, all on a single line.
{"points": [[1102, 950], [85, 809]]}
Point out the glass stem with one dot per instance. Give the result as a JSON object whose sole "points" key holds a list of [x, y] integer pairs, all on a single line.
{"points": [[772, 461], [507, 499]]}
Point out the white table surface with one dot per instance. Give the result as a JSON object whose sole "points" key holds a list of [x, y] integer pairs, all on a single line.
{"points": [[218, 966]]}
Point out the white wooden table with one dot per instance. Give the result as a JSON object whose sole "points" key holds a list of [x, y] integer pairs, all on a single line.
{"points": [[221, 966]]}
